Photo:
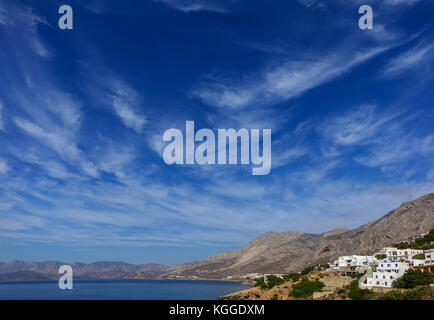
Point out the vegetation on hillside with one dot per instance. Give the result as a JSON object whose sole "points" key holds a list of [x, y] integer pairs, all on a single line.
{"points": [[423, 243], [355, 293], [307, 270], [413, 285], [420, 256], [419, 293], [293, 277], [271, 281], [305, 288], [413, 278], [260, 283]]}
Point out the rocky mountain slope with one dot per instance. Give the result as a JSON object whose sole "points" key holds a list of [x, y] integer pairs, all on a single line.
{"points": [[278, 252]]}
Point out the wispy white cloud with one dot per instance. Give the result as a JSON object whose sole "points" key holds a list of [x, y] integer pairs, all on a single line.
{"points": [[116, 159], [219, 6], [57, 141], [124, 100], [2, 16], [381, 33], [394, 149], [2, 127], [401, 2], [24, 20], [125, 104], [128, 116], [288, 80], [288, 155], [415, 58], [385, 142], [357, 125], [94, 6], [54, 168], [3, 166], [239, 190], [322, 3], [53, 124], [291, 146], [312, 3]]}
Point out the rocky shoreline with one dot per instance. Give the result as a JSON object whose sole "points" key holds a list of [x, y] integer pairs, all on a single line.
{"points": [[333, 281]]}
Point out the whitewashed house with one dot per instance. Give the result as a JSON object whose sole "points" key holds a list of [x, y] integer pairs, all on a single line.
{"points": [[387, 272], [394, 254], [354, 261], [253, 276], [428, 262], [416, 262], [429, 257]]}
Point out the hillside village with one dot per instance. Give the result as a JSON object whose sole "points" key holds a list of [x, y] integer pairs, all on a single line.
{"points": [[390, 271]]}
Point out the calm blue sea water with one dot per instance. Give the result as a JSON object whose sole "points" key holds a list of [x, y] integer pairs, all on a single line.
{"points": [[119, 289]]}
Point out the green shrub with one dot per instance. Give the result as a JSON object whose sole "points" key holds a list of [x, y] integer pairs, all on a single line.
{"points": [[412, 295], [381, 256], [424, 242], [294, 277], [324, 266], [306, 288], [402, 245], [356, 293], [413, 278], [307, 270], [273, 280], [419, 293], [420, 256], [260, 283], [392, 295]]}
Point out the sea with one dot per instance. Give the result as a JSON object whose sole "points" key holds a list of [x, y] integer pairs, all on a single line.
{"points": [[119, 289]]}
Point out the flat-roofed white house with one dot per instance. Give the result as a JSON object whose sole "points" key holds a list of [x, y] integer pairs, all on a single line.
{"points": [[394, 254], [354, 261], [428, 263], [387, 272], [429, 256], [416, 262]]}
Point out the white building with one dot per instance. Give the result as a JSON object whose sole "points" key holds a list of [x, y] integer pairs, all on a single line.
{"points": [[279, 275], [413, 238], [387, 272], [416, 262], [253, 276], [428, 262], [354, 261], [429, 256], [394, 254]]}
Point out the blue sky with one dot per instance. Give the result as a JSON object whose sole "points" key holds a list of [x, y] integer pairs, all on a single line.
{"points": [[82, 114]]}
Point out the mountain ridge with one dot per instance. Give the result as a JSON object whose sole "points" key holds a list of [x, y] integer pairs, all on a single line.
{"points": [[277, 252], [271, 252], [99, 269]]}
